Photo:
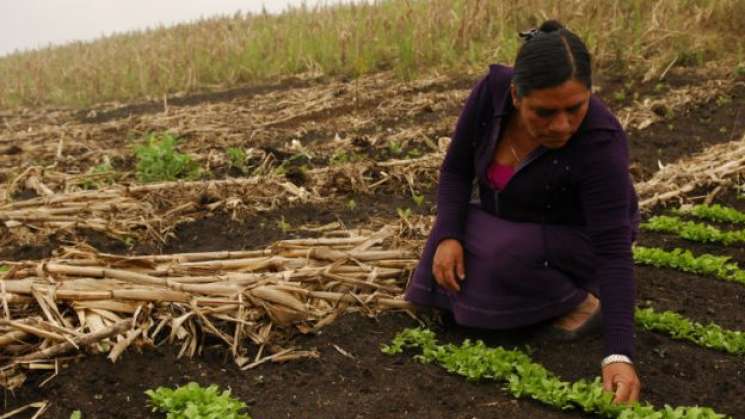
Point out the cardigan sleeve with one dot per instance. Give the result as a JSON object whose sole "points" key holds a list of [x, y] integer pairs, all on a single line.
{"points": [[457, 171], [605, 190]]}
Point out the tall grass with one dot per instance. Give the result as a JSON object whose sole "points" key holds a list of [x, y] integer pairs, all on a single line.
{"points": [[410, 37]]}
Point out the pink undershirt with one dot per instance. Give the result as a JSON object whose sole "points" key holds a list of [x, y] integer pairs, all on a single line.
{"points": [[499, 175]]}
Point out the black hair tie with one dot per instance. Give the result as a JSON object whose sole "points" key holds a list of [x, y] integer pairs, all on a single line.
{"points": [[530, 34]]}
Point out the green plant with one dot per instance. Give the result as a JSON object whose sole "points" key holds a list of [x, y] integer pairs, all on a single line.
{"points": [[619, 95], [351, 205], [523, 377], [715, 213], [740, 69], [710, 335], [341, 157], [418, 199], [99, 175], [404, 213], [723, 100], [693, 231], [395, 147], [4, 268], [158, 160], [684, 260], [76, 415], [237, 158], [195, 402], [283, 225]]}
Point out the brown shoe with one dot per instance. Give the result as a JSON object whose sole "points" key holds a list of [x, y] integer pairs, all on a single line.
{"points": [[592, 325]]}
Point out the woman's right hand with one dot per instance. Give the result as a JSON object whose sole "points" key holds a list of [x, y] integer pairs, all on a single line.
{"points": [[447, 266]]}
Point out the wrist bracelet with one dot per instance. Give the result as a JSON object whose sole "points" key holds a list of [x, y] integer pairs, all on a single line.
{"points": [[612, 359]]}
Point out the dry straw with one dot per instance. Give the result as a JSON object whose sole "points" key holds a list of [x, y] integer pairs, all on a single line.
{"points": [[104, 303]]}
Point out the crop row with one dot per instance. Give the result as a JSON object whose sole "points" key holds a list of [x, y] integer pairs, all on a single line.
{"points": [[684, 260], [678, 327], [716, 213], [693, 231], [523, 377]]}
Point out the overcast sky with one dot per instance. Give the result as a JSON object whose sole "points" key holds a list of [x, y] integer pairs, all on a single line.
{"points": [[28, 24]]}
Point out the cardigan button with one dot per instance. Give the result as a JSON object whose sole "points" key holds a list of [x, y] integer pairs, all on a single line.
{"points": [[567, 168], [556, 161], [545, 263]]}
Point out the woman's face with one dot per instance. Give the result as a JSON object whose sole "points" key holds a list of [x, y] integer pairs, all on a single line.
{"points": [[552, 115]]}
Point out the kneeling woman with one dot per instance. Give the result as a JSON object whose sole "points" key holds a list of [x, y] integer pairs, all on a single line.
{"points": [[550, 236]]}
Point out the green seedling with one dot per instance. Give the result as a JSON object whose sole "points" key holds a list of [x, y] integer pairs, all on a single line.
{"points": [[99, 175], [723, 100], [619, 95], [283, 225], [395, 147], [418, 199], [525, 378], [195, 402], [404, 213], [351, 205], [237, 158], [76, 415], [340, 157], [158, 160]]}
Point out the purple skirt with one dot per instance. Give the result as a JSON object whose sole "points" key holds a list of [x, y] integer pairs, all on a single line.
{"points": [[517, 274]]}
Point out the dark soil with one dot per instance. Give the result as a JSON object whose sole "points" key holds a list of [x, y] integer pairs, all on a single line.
{"points": [[95, 117], [718, 121]]}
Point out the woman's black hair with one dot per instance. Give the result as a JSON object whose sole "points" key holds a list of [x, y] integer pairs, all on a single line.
{"points": [[550, 56]]}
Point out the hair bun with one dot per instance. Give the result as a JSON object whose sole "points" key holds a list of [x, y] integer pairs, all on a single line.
{"points": [[551, 26]]}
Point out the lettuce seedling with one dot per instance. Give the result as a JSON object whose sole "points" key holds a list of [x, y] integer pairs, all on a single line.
{"points": [[195, 402]]}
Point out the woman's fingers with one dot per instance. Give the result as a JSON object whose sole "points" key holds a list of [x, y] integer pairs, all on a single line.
{"points": [[635, 390], [460, 267], [450, 278], [445, 277], [447, 266], [621, 379], [623, 392]]}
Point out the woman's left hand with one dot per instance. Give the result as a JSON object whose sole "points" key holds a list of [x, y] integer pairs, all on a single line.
{"points": [[620, 378]]}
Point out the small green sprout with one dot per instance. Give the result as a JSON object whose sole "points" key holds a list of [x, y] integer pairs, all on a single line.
{"points": [[283, 225], [404, 213], [395, 147], [237, 158], [158, 160], [418, 199]]}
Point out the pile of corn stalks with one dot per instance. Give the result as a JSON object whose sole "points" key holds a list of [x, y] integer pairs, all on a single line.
{"points": [[715, 168], [103, 303]]}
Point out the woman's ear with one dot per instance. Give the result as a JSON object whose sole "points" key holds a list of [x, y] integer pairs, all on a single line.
{"points": [[513, 93]]}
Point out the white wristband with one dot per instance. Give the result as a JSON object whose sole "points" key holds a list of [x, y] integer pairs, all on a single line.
{"points": [[612, 359]]}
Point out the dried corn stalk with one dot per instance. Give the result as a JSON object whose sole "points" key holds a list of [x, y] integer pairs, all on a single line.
{"points": [[84, 300]]}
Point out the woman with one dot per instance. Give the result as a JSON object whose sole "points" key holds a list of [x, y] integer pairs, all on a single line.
{"points": [[550, 236]]}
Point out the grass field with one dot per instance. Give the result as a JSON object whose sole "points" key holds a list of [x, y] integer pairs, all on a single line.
{"points": [[413, 38]]}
